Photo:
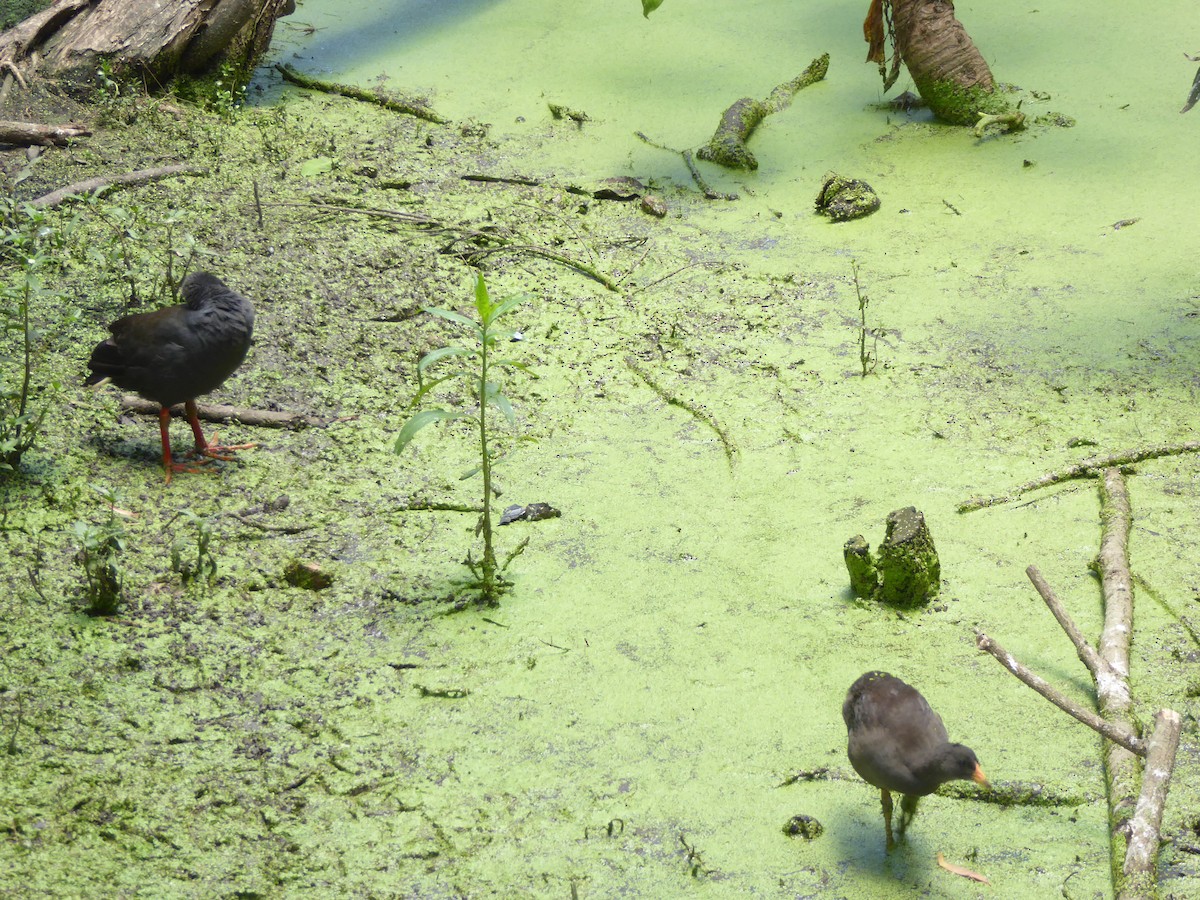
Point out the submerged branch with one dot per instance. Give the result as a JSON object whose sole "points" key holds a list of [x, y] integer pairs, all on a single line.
{"points": [[1088, 468], [698, 412], [417, 106]]}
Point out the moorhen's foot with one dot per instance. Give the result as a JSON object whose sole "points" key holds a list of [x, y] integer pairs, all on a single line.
{"points": [[214, 450]]}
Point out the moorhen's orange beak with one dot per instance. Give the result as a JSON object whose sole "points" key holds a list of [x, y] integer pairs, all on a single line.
{"points": [[979, 776]]}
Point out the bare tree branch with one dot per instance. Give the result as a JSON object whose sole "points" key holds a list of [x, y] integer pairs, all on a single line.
{"points": [[1114, 733]]}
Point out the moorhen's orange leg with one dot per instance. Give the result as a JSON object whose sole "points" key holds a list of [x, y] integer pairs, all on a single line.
{"points": [[885, 798], [203, 447]]}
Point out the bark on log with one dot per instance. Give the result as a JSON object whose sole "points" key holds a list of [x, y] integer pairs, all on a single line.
{"points": [[25, 134], [147, 38]]}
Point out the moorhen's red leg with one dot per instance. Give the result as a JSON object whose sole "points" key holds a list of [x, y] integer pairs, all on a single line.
{"points": [[164, 428], [885, 798], [203, 447]]}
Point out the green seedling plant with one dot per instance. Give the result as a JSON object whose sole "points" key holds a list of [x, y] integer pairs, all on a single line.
{"points": [[100, 547], [480, 365], [192, 558], [28, 249], [868, 358]]}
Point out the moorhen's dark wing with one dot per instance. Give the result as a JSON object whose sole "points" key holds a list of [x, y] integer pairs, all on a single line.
{"points": [[179, 353], [894, 735]]}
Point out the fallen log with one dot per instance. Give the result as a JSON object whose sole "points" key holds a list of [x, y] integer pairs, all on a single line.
{"points": [[215, 412], [27, 134]]}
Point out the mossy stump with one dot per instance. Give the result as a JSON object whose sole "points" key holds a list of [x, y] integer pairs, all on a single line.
{"points": [[905, 572]]}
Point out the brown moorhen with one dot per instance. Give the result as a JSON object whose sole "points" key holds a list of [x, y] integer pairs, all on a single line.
{"points": [[897, 743], [174, 355]]}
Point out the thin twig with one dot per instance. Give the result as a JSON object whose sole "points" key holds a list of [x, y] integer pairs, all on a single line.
{"points": [[214, 412], [1070, 707], [1087, 653], [698, 412], [473, 256], [418, 107]]}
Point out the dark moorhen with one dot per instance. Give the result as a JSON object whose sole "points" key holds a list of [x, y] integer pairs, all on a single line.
{"points": [[897, 743], [174, 355]]}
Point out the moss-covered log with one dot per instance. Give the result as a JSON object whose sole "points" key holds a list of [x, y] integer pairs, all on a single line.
{"points": [[727, 147]]}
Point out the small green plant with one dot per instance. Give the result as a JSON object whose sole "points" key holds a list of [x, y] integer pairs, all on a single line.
{"points": [[150, 253], [100, 547], [229, 92], [868, 358], [478, 373], [28, 245], [193, 558]]}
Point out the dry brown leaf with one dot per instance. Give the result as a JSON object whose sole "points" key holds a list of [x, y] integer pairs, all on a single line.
{"points": [[959, 870]]}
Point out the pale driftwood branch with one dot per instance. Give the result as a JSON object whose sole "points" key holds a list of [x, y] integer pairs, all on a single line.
{"points": [[104, 181], [212, 412], [1087, 654], [418, 107], [1145, 828], [1112, 563], [1115, 734], [33, 133], [1087, 468], [1112, 693]]}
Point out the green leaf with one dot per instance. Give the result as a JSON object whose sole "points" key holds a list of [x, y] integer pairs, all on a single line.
{"points": [[649, 6], [425, 387], [513, 364], [507, 305], [419, 421], [450, 315], [483, 303], [465, 475], [441, 353], [505, 407], [317, 166]]}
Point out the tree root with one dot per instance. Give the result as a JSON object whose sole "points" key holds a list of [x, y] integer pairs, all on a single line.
{"points": [[727, 146], [1012, 121]]}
